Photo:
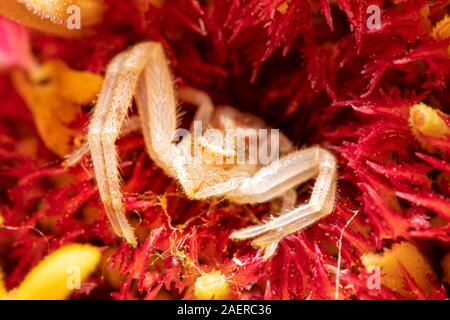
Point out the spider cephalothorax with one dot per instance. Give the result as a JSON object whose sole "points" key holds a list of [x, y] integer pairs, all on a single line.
{"points": [[206, 165]]}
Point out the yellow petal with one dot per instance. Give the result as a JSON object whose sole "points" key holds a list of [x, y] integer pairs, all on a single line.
{"points": [[212, 286], [54, 93], [79, 87], [390, 262], [51, 16], [54, 277]]}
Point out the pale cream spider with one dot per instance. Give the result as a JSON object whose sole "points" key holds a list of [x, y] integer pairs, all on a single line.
{"points": [[143, 71]]}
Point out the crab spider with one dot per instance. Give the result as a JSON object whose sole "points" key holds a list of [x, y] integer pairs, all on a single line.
{"points": [[143, 71]]}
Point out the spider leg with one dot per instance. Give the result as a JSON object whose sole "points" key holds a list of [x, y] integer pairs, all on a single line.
{"points": [[204, 112], [157, 108], [205, 106], [120, 82], [307, 214], [306, 217], [130, 125], [143, 70], [156, 102], [320, 204], [279, 176]]}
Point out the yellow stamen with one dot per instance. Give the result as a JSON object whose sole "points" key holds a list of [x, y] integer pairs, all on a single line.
{"points": [[212, 286], [425, 120], [284, 7], [441, 30]]}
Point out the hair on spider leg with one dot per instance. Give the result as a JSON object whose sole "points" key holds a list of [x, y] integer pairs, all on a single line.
{"points": [[180, 115], [339, 245]]}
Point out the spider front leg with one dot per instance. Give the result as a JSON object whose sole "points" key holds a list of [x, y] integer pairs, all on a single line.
{"points": [[128, 72], [201, 100], [281, 175], [130, 125]]}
